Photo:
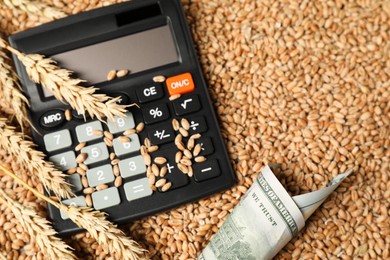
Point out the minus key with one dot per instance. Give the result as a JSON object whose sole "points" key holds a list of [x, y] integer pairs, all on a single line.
{"points": [[206, 170]]}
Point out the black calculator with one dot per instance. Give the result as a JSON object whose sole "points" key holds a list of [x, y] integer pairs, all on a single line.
{"points": [[164, 153]]}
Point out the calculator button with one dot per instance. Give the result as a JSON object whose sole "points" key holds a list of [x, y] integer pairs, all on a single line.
{"points": [[137, 189], [150, 93], [206, 146], [186, 105], [180, 84], [77, 201], [52, 118], [100, 175], [105, 198], [123, 98], [121, 124], [64, 161], [122, 148], [84, 132], [161, 135], [155, 113], [95, 153], [132, 166], [206, 170], [75, 181], [174, 175], [197, 125], [57, 140], [77, 114]]}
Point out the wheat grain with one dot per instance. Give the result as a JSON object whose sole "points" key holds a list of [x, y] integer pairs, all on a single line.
{"points": [[65, 88], [35, 7], [24, 151], [12, 91], [106, 233], [39, 229]]}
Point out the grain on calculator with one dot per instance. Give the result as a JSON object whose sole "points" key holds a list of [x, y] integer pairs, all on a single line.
{"points": [[166, 187], [197, 149], [115, 161], [174, 97], [80, 146], [122, 73], [129, 131], [102, 187], [159, 78], [118, 181], [108, 135], [81, 157], [88, 200], [163, 171], [185, 124], [124, 139], [108, 142], [68, 115], [140, 127], [111, 75], [175, 124], [160, 182], [160, 160], [97, 132]]}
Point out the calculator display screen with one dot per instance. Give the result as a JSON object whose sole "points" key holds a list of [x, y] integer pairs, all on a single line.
{"points": [[136, 52]]}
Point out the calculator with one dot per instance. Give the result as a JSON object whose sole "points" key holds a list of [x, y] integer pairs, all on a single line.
{"points": [[167, 151]]}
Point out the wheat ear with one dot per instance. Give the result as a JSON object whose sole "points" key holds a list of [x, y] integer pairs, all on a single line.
{"points": [[44, 71], [39, 8], [12, 92], [39, 229], [106, 233], [24, 151]]}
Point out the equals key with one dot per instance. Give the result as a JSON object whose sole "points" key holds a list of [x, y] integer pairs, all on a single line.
{"points": [[206, 170]]}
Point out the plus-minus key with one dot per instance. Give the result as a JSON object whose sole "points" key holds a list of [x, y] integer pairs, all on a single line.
{"points": [[161, 135]]}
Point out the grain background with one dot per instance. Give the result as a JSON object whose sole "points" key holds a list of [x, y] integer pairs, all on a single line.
{"points": [[297, 82]]}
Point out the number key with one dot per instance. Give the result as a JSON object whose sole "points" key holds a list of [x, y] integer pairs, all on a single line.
{"points": [[132, 166], [122, 148], [78, 201], [64, 161], [85, 131], [95, 153], [100, 175], [121, 124], [57, 140]]}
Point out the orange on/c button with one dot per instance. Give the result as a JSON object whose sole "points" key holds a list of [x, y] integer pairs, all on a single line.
{"points": [[180, 84]]}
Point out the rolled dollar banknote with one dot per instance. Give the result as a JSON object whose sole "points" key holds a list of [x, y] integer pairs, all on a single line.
{"points": [[265, 220]]}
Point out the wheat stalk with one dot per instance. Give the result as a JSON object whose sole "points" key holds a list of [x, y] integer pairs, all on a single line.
{"points": [[44, 71], [38, 8], [23, 150], [39, 229], [106, 233], [12, 92]]}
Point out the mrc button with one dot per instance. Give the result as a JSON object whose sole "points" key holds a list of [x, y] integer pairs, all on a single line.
{"points": [[52, 118], [180, 84]]}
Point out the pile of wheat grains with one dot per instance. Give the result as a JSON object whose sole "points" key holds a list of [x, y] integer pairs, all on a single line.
{"points": [[297, 82]]}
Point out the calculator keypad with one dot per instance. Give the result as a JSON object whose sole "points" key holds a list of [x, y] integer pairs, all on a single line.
{"points": [[109, 167]]}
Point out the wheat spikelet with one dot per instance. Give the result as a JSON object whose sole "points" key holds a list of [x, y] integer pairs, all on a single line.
{"points": [[23, 150], [39, 229], [39, 8], [12, 92], [44, 71], [107, 234]]}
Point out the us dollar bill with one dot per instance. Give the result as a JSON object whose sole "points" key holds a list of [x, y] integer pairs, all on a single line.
{"points": [[265, 220]]}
